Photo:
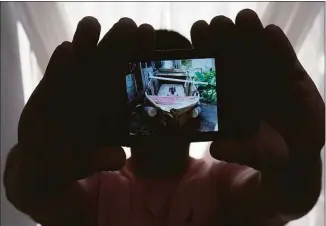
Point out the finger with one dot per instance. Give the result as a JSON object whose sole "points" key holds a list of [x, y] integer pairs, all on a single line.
{"points": [[114, 51], [282, 59], [251, 60], [249, 33], [284, 69], [248, 19], [60, 58], [54, 79], [277, 38], [102, 159], [145, 39], [85, 47], [118, 46], [264, 151], [87, 34], [119, 41], [108, 158], [199, 35], [301, 110], [221, 30], [56, 75]]}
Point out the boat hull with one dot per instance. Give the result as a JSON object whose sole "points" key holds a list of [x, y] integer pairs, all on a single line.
{"points": [[174, 94], [178, 109]]}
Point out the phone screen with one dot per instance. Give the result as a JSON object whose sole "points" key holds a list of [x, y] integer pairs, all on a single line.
{"points": [[175, 93]]}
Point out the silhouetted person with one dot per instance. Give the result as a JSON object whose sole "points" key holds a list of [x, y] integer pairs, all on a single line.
{"points": [[172, 90], [59, 175]]}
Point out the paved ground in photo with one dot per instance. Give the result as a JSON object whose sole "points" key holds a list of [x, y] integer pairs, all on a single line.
{"points": [[208, 117]]}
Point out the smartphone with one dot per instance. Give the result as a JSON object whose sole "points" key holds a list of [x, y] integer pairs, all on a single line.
{"points": [[173, 91]]}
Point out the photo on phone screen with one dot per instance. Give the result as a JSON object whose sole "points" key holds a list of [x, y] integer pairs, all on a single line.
{"points": [[179, 93]]}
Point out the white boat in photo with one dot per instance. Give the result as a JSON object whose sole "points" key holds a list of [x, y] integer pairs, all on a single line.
{"points": [[174, 93]]}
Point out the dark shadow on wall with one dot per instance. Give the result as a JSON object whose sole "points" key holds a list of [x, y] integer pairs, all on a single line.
{"points": [[12, 103]]}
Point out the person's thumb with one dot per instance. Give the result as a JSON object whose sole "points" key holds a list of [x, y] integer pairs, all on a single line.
{"points": [[108, 159], [102, 159], [265, 150]]}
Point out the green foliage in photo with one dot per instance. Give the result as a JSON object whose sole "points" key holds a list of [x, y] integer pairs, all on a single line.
{"points": [[186, 63], [207, 92]]}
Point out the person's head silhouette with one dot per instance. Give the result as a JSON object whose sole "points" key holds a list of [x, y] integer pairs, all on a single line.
{"points": [[162, 156]]}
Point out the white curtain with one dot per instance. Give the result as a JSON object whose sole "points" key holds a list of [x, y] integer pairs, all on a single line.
{"points": [[42, 26]]}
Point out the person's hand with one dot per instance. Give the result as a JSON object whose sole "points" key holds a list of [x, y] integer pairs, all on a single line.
{"points": [[261, 82], [79, 105]]}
